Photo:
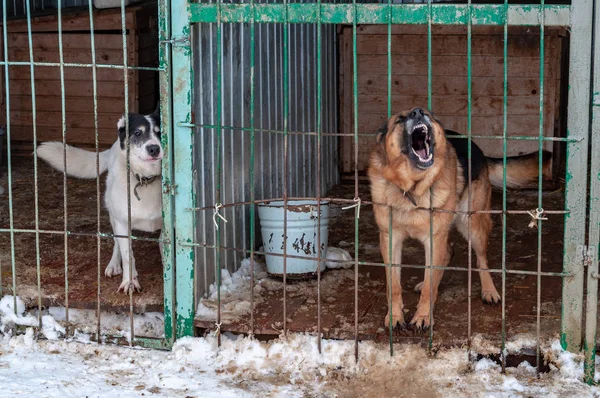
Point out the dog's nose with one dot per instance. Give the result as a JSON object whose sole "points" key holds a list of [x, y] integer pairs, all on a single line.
{"points": [[153, 150], [417, 112]]}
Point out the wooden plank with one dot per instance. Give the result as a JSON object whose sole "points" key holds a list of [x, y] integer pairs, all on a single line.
{"points": [[106, 106], [70, 40], [454, 104], [455, 30], [75, 135], [518, 46], [79, 89], [53, 118], [103, 56], [71, 73], [449, 65], [109, 19], [346, 105], [25, 148], [446, 85]]}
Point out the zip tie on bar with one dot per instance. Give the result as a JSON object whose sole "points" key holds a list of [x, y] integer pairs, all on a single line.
{"points": [[356, 204], [217, 214], [218, 329], [536, 215]]}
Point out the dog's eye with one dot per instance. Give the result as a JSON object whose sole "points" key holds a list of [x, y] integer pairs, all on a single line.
{"points": [[401, 119], [137, 133]]}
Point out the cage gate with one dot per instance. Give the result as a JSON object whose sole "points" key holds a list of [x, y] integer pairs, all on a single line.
{"points": [[195, 83], [70, 70]]}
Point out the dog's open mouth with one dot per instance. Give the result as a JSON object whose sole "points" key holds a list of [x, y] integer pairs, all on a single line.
{"points": [[421, 145]]}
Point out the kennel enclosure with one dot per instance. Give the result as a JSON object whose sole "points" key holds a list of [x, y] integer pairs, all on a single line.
{"points": [[252, 112], [469, 18]]}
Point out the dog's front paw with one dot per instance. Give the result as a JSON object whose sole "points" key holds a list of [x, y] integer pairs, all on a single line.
{"points": [[130, 286], [113, 269], [397, 319], [421, 319], [490, 296]]}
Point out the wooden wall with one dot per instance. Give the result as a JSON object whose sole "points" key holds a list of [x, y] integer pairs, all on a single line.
{"points": [[142, 45], [449, 83]]}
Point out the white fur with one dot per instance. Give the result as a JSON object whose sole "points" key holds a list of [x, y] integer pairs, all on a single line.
{"points": [[80, 163], [146, 213]]}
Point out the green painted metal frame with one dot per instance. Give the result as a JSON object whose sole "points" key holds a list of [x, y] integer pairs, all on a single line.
{"points": [[448, 14], [593, 246], [580, 60], [183, 148], [168, 230]]}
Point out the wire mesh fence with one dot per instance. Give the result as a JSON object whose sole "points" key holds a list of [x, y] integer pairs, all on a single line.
{"points": [[506, 16]]}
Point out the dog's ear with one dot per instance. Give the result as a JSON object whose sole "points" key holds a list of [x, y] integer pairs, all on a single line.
{"points": [[121, 125], [381, 132], [156, 114], [122, 132]]}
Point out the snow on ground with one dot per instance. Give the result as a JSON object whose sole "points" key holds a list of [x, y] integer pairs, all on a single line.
{"points": [[244, 367], [150, 324], [235, 292]]}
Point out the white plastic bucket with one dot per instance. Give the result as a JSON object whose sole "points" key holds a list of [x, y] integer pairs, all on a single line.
{"points": [[302, 227]]}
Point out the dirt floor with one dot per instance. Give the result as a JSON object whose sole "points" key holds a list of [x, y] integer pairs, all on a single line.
{"points": [[451, 320], [82, 254], [337, 287]]}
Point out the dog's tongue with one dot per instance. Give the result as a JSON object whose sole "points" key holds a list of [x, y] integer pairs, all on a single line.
{"points": [[422, 153]]}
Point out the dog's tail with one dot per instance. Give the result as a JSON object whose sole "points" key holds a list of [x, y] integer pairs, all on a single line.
{"points": [[521, 171], [80, 163]]}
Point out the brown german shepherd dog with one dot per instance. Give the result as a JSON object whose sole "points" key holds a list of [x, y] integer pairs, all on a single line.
{"points": [[415, 166]]}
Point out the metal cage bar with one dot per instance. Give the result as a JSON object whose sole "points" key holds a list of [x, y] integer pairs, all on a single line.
{"points": [[576, 181], [504, 193], [182, 88], [168, 230], [35, 167], [591, 252]]}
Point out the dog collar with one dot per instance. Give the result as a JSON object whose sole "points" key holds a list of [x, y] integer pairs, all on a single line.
{"points": [[409, 196], [142, 181]]}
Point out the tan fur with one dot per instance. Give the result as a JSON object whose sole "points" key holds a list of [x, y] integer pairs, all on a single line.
{"points": [[521, 172], [392, 174]]}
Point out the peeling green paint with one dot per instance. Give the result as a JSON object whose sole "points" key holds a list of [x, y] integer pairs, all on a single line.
{"points": [[593, 245], [482, 14], [568, 176], [167, 197], [182, 86], [580, 61]]}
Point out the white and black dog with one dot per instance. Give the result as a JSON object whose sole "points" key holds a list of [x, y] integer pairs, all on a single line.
{"points": [[145, 154]]}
